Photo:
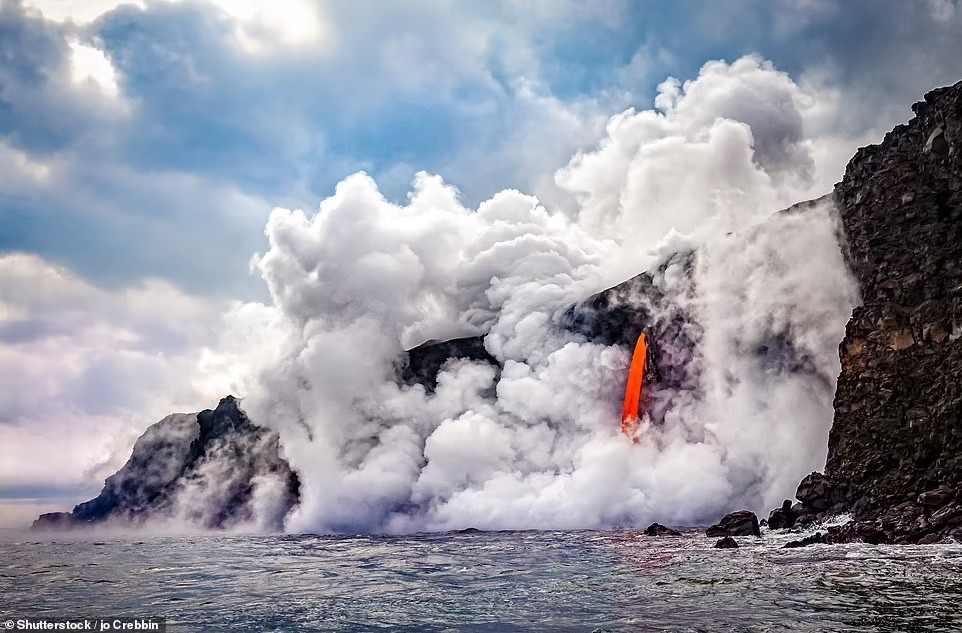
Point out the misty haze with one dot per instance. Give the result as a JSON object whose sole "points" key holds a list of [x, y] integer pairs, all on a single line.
{"points": [[462, 316]]}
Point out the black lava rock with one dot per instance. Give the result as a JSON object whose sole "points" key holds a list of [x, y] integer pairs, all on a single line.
{"points": [[782, 518], [421, 365], [657, 529], [741, 523], [895, 447], [814, 492], [936, 498], [726, 543], [815, 539]]}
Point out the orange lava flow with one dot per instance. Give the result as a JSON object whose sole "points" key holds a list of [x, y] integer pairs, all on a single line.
{"points": [[636, 380]]}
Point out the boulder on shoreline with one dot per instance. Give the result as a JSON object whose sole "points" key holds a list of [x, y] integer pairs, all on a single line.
{"points": [[783, 517], [814, 493]]}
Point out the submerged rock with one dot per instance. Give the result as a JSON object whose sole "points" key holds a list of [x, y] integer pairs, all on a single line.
{"points": [[215, 469], [852, 532], [814, 539], [657, 529], [856, 532], [741, 523], [726, 543]]}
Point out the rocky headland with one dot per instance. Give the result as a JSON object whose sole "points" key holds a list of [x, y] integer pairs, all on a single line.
{"points": [[214, 469]]}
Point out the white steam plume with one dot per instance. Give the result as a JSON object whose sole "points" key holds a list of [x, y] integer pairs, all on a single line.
{"points": [[539, 444]]}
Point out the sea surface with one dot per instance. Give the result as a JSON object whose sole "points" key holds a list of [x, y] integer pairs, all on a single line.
{"points": [[580, 581]]}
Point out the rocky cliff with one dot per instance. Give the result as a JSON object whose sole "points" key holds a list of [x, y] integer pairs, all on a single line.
{"points": [[215, 469], [898, 423], [895, 448]]}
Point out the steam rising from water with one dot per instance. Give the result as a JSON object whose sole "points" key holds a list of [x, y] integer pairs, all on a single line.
{"points": [[539, 445]]}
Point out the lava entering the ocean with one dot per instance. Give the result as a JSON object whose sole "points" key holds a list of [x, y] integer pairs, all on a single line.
{"points": [[636, 380]]}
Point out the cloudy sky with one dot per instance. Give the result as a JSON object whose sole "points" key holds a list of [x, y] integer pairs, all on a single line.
{"points": [[143, 146]]}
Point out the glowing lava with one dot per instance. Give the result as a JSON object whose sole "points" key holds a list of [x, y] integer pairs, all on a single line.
{"points": [[636, 380]]}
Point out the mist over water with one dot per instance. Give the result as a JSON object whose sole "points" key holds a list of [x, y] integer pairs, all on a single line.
{"points": [[538, 444]]}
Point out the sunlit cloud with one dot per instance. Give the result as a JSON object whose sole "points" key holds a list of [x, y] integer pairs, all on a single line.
{"points": [[90, 65]]}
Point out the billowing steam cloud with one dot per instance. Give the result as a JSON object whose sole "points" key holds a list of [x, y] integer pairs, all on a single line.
{"points": [[539, 444]]}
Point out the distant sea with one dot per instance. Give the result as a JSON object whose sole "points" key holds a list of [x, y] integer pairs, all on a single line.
{"points": [[578, 581]]}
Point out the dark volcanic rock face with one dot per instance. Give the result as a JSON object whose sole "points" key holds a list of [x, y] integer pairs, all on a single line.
{"points": [[215, 469], [895, 448], [617, 316], [420, 365], [664, 303], [652, 302], [898, 423]]}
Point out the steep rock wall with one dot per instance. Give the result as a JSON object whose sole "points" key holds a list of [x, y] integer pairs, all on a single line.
{"points": [[898, 423]]}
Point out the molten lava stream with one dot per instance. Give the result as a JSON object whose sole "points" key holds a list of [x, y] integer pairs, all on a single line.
{"points": [[636, 380]]}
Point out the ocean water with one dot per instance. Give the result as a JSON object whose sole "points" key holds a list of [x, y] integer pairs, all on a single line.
{"points": [[580, 581]]}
